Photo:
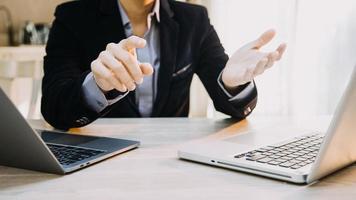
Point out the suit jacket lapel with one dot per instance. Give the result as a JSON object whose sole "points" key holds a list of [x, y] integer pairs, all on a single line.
{"points": [[169, 31]]}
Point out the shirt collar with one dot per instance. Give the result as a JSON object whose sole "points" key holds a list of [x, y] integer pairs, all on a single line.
{"points": [[155, 12]]}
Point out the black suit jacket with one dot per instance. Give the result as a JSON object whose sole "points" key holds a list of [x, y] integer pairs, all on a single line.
{"points": [[82, 29]]}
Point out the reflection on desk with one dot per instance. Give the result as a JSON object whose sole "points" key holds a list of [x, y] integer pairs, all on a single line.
{"points": [[154, 172]]}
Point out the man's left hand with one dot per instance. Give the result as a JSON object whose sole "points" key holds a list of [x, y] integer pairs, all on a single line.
{"points": [[248, 62]]}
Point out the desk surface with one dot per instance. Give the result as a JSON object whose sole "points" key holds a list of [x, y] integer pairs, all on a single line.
{"points": [[154, 172]]}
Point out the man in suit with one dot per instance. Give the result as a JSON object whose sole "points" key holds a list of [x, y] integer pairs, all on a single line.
{"points": [[136, 58]]}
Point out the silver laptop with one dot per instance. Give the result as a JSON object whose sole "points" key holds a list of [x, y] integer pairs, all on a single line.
{"points": [[302, 159], [49, 151]]}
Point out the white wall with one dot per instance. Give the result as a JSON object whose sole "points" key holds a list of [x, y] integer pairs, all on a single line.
{"points": [[321, 37]]}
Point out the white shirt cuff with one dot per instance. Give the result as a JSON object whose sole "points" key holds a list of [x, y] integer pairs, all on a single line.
{"points": [[241, 95], [95, 97]]}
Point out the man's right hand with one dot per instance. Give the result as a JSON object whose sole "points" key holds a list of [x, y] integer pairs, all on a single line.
{"points": [[118, 68]]}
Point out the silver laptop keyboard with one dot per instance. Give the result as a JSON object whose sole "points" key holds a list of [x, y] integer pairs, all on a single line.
{"points": [[67, 155], [295, 153]]}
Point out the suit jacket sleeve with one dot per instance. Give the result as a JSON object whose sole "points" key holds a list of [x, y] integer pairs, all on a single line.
{"points": [[212, 60], [63, 104]]}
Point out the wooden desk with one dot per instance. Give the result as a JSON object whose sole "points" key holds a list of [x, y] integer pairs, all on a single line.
{"points": [[154, 172]]}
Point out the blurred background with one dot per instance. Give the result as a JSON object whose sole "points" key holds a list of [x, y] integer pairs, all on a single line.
{"points": [[308, 81]]}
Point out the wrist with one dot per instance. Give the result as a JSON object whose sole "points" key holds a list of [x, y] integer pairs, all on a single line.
{"points": [[228, 80], [234, 90]]}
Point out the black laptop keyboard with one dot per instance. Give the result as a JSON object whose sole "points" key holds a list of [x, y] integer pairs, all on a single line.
{"points": [[294, 154], [67, 155]]}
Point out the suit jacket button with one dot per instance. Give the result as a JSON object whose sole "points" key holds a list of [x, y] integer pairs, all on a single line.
{"points": [[247, 110], [85, 119]]}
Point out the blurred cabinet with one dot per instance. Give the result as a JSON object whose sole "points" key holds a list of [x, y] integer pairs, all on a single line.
{"points": [[23, 62]]}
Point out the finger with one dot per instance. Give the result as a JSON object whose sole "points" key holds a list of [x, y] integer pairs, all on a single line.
{"points": [[146, 69], [103, 84], [260, 68], [102, 72], [118, 69], [105, 74], [265, 38], [124, 77], [281, 49], [122, 89], [130, 62], [272, 57], [132, 43]]}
